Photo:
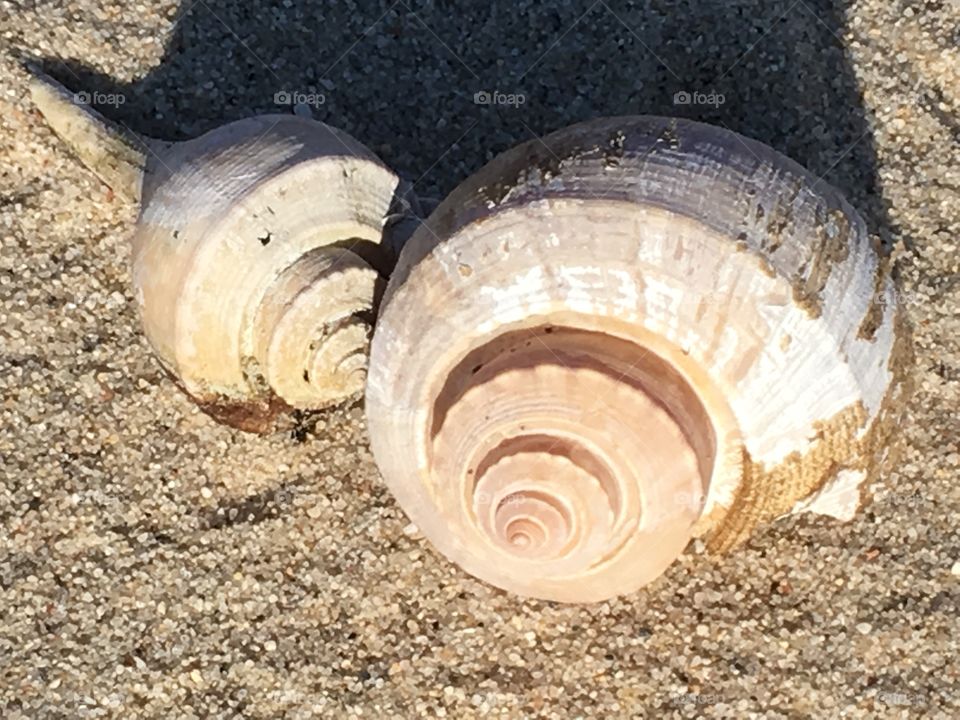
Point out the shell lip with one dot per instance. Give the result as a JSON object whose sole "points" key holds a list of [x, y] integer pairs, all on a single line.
{"points": [[678, 531]]}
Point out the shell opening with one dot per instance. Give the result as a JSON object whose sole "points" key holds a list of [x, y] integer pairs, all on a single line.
{"points": [[313, 327], [569, 445]]}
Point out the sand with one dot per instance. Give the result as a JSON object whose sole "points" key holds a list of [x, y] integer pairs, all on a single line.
{"points": [[156, 564]]}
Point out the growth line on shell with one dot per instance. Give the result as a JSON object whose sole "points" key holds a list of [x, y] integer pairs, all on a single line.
{"points": [[643, 352], [559, 160]]}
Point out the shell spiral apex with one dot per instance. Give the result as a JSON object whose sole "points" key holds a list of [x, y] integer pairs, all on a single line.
{"points": [[259, 255], [634, 332]]}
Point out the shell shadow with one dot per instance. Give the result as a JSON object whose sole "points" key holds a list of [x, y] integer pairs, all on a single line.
{"points": [[436, 96]]}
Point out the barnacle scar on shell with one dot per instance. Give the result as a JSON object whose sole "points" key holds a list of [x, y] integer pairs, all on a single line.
{"points": [[636, 331], [259, 254]]}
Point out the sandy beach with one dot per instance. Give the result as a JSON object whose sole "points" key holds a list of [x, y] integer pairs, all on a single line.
{"points": [[157, 564]]}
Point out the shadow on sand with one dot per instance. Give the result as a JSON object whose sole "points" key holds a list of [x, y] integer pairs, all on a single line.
{"points": [[403, 78]]}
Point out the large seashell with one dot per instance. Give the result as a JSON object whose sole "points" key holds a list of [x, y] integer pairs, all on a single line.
{"points": [[258, 255], [633, 332]]}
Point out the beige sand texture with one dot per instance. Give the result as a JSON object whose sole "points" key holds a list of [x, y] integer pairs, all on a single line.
{"points": [[155, 564]]}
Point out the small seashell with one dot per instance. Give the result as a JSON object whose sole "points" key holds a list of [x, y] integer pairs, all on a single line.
{"points": [[259, 255], [610, 379]]}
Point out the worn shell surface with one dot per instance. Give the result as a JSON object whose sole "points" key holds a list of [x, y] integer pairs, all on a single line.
{"points": [[258, 256], [632, 332]]}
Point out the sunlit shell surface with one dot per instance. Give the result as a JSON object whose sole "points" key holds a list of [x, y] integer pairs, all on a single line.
{"points": [[632, 332], [257, 258]]}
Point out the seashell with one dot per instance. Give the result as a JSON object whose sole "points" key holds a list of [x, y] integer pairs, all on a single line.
{"points": [[634, 332], [258, 256]]}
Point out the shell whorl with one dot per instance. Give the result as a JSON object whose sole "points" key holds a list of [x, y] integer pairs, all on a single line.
{"points": [[259, 254], [311, 339], [533, 425], [266, 236], [636, 331]]}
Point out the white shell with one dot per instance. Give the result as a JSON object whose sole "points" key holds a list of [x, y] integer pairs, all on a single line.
{"points": [[255, 257], [632, 332]]}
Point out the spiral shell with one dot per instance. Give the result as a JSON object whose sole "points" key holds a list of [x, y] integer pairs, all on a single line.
{"points": [[258, 255], [633, 332]]}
